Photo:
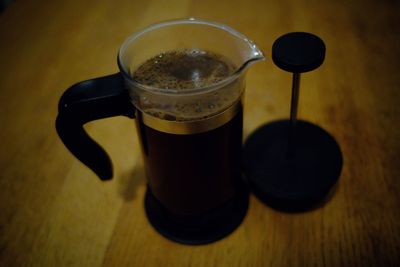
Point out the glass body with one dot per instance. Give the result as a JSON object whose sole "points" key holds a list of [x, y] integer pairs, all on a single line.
{"points": [[191, 139]]}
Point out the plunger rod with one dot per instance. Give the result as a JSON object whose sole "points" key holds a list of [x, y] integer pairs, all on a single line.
{"points": [[293, 112]]}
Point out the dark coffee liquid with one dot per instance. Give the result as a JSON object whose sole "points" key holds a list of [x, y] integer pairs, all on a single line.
{"points": [[191, 173]]}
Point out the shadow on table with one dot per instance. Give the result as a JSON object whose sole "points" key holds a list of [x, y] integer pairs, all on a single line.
{"points": [[308, 208], [131, 181], [4, 4]]}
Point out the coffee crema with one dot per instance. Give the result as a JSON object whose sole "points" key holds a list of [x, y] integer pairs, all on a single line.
{"points": [[184, 69]]}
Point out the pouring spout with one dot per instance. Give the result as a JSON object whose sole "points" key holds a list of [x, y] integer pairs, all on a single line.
{"points": [[252, 55], [249, 62]]}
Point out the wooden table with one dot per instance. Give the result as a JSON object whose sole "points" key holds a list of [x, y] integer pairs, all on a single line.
{"points": [[55, 212]]}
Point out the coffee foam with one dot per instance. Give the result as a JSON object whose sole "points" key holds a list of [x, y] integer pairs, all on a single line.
{"points": [[184, 69]]}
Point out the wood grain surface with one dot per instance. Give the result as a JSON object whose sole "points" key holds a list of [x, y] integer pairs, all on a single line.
{"points": [[55, 212]]}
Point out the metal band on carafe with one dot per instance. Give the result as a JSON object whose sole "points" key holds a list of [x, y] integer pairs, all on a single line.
{"points": [[190, 126]]}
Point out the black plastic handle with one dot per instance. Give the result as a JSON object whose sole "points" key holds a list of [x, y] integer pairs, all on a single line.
{"points": [[87, 101]]}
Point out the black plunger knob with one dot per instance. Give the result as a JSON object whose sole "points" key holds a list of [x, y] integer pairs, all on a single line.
{"points": [[293, 165], [298, 52]]}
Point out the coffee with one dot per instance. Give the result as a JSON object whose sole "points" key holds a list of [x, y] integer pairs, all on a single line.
{"points": [[191, 173], [184, 69]]}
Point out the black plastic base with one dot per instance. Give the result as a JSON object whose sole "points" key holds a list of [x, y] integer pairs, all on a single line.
{"points": [[197, 230], [296, 181]]}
